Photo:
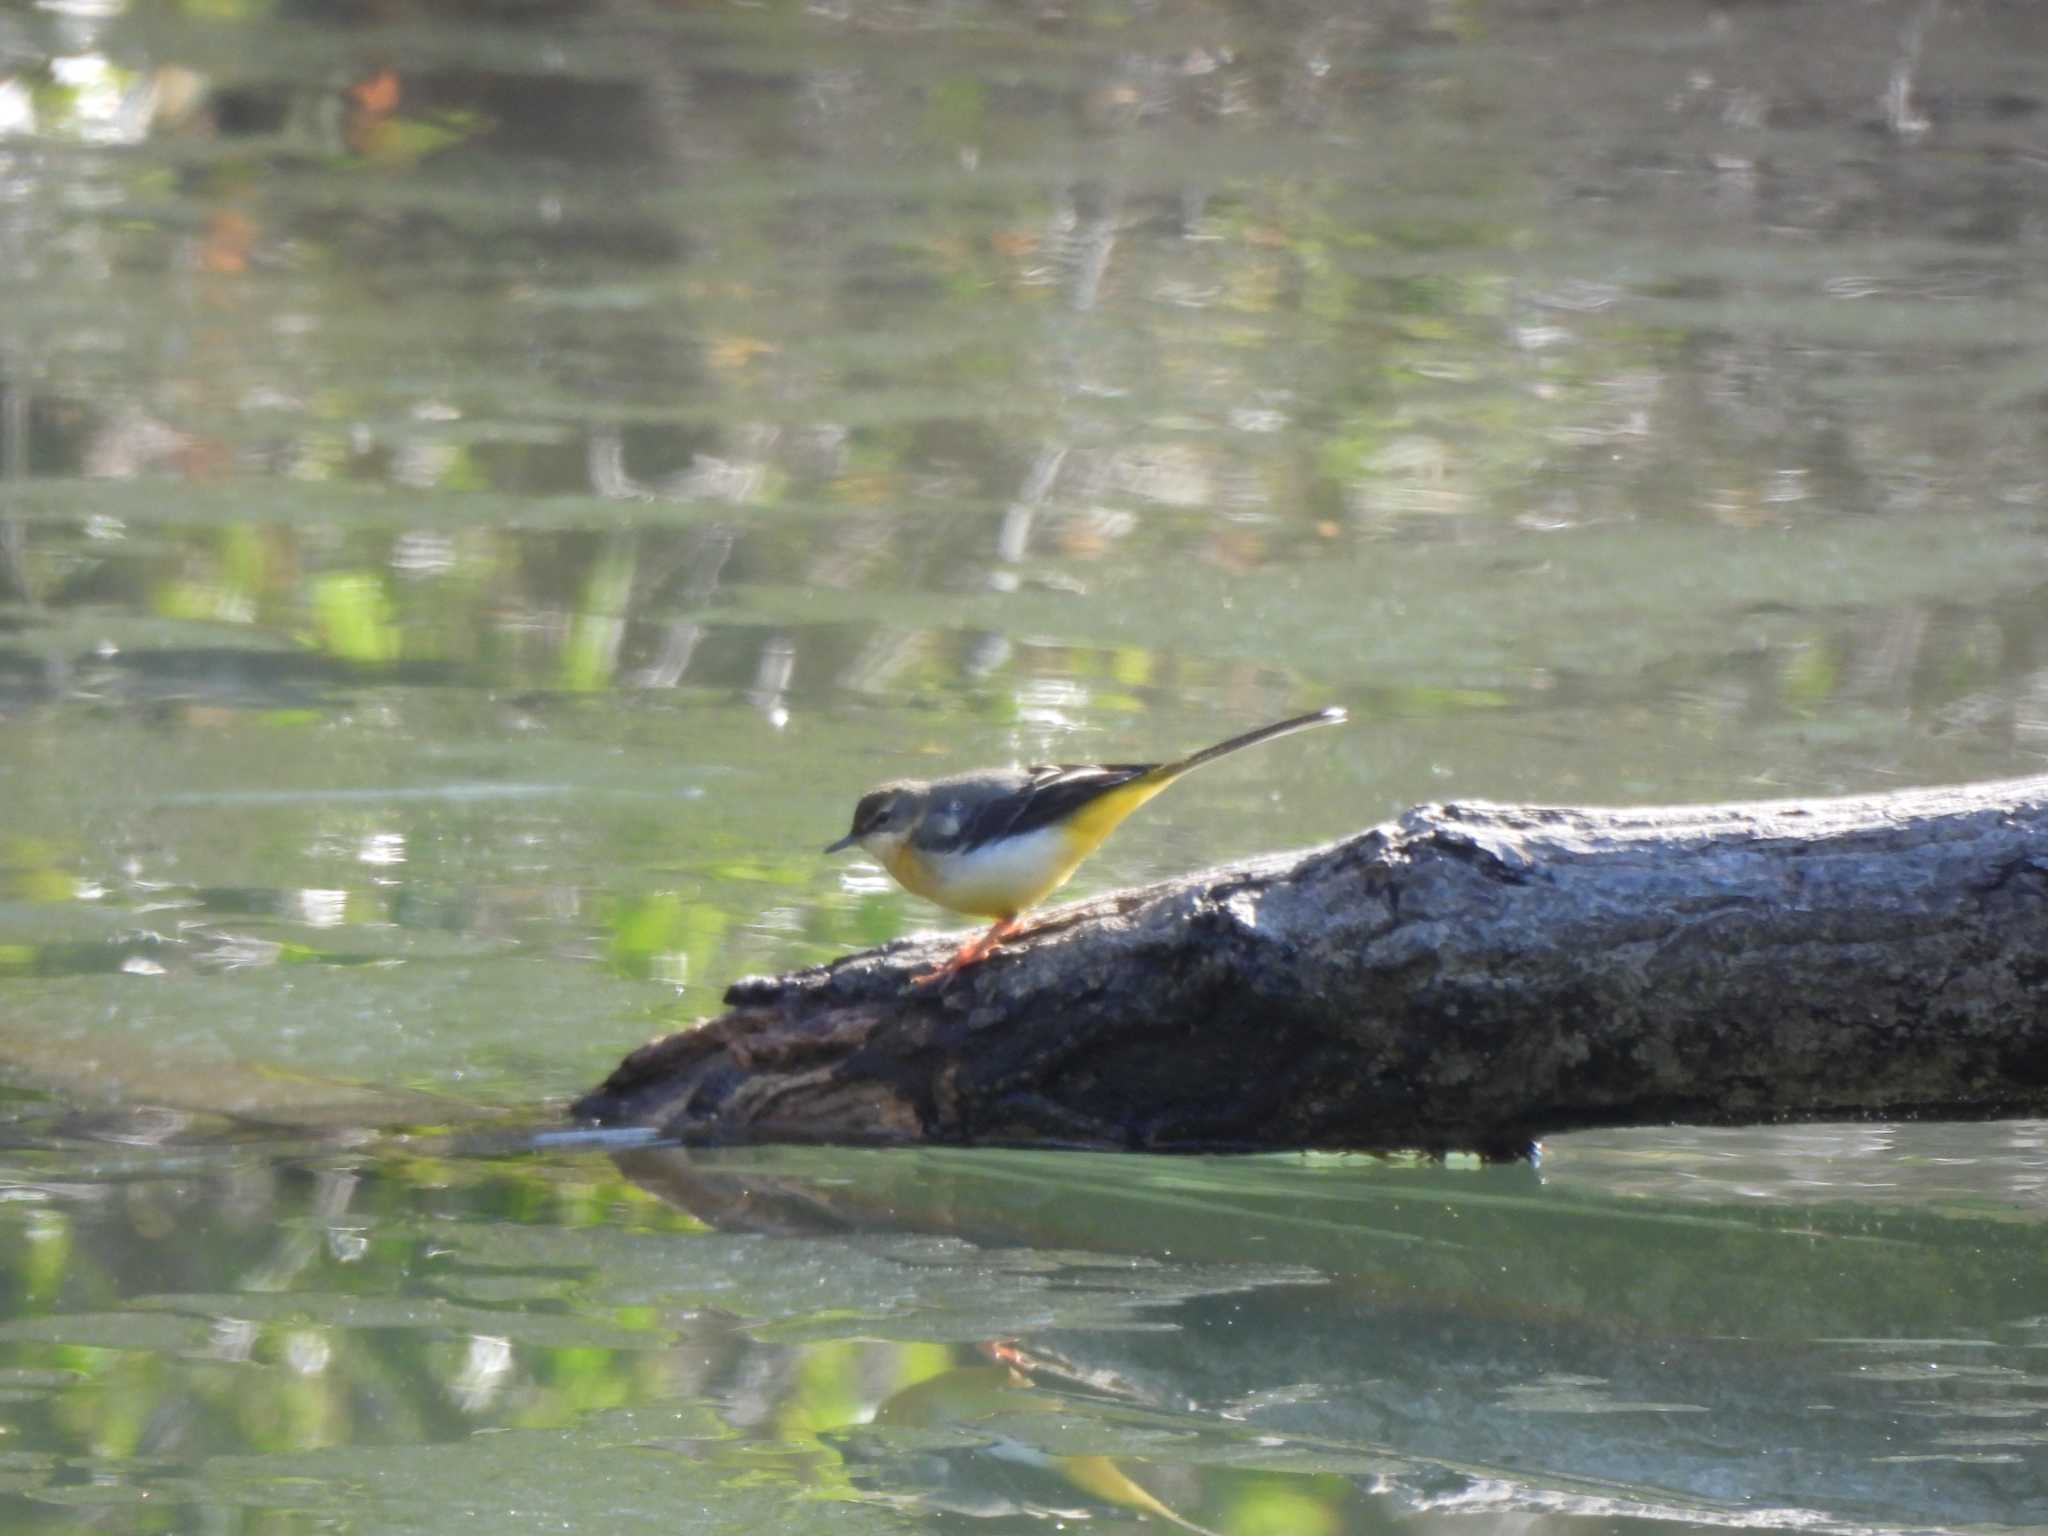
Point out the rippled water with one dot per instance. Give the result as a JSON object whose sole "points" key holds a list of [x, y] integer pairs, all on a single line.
{"points": [[483, 489], [1832, 1329]]}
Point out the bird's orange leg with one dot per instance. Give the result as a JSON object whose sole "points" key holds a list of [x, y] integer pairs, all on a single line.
{"points": [[974, 950]]}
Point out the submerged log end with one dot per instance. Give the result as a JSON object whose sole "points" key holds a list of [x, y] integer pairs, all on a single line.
{"points": [[856, 1052]]}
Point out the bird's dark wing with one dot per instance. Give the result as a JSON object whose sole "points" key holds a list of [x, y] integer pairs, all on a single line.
{"points": [[1049, 794]]}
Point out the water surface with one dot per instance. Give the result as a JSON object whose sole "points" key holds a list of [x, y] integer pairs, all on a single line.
{"points": [[482, 490]]}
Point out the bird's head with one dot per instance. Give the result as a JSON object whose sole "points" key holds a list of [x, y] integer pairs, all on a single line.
{"points": [[884, 819]]}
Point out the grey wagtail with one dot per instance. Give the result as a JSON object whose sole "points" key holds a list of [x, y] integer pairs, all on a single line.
{"points": [[993, 843]]}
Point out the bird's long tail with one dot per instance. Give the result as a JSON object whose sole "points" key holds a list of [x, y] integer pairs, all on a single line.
{"points": [[1166, 772]]}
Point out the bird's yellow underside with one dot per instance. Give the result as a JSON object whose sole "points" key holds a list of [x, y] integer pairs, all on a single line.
{"points": [[1021, 872]]}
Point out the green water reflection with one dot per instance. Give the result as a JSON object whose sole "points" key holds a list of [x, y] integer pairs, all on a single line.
{"points": [[240, 1336], [483, 488]]}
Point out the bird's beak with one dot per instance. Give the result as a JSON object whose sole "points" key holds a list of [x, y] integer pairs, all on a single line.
{"points": [[845, 842]]}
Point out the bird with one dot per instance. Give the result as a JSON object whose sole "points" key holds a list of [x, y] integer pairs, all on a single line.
{"points": [[996, 842]]}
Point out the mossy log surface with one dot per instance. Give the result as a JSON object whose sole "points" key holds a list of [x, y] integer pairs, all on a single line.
{"points": [[1469, 977]]}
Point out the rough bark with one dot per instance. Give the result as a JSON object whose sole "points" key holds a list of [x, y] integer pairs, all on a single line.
{"points": [[1469, 977]]}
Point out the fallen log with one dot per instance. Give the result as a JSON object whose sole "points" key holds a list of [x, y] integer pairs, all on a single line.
{"points": [[1470, 976]]}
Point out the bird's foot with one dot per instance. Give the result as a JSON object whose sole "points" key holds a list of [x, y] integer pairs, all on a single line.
{"points": [[975, 950]]}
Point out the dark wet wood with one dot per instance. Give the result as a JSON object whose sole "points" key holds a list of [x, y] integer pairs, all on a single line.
{"points": [[1470, 977]]}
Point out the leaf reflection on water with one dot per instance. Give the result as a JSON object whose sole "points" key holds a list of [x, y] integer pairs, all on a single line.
{"points": [[481, 488], [908, 1333]]}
